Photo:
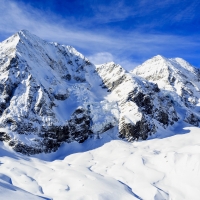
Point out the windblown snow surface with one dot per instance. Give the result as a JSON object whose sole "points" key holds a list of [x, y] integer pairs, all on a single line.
{"points": [[166, 166]]}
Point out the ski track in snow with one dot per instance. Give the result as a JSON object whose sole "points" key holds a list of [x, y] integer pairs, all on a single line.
{"points": [[166, 167]]}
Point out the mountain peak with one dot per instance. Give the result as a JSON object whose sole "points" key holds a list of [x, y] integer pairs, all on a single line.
{"points": [[23, 32], [157, 59], [13, 43], [158, 65], [174, 76], [27, 37], [160, 57]]}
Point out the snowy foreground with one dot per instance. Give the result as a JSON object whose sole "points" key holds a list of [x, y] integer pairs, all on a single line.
{"points": [[163, 167]]}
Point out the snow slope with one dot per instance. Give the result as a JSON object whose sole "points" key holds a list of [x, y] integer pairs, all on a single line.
{"points": [[164, 167]]}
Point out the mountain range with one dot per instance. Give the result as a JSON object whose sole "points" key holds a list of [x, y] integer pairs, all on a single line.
{"points": [[51, 94], [70, 129]]}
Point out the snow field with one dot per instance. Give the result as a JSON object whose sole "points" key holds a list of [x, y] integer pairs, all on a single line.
{"points": [[166, 167]]}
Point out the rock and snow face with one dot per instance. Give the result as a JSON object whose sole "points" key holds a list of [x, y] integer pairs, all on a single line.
{"points": [[178, 80], [142, 105], [50, 94], [45, 89]]}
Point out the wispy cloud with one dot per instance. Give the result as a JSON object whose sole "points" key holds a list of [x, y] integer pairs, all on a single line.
{"points": [[127, 48], [117, 11], [155, 12], [101, 57]]}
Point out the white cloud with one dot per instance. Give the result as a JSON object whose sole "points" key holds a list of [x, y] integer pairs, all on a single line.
{"points": [[129, 65], [104, 57], [101, 57]]}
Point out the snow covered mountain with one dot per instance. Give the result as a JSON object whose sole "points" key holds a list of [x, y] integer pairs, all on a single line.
{"points": [[51, 94], [178, 80], [46, 89], [142, 105], [72, 120]]}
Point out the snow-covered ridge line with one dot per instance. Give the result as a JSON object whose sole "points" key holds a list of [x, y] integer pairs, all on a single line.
{"points": [[51, 94], [177, 79], [142, 105]]}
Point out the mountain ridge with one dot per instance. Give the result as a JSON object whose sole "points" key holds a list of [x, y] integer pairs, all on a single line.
{"points": [[51, 94], [179, 79]]}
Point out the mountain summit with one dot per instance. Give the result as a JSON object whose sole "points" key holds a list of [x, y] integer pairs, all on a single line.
{"points": [[177, 79], [44, 90], [51, 93]]}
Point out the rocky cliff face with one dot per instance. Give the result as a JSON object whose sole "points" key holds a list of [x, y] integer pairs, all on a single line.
{"points": [[50, 94]]}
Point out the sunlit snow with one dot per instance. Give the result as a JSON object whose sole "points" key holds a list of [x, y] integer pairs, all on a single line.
{"points": [[164, 167]]}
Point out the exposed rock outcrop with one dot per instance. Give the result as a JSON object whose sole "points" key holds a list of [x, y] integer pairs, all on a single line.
{"points": [[51, 137]]}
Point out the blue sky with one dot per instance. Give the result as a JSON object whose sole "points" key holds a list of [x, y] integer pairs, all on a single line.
{"points": [[127, 32]]}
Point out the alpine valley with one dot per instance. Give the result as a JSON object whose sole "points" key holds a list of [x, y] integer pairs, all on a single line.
{"points": [[73, 130]]}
